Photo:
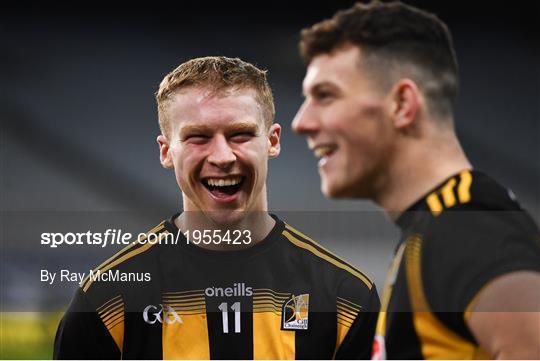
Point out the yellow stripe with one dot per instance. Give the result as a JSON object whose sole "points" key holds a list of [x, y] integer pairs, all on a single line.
{"points": [[464, 187], [447, 192], [194, 312], [187, 297], [187, 304], [349, 303], [436, 340], [345, 318], [117, 333], [269, 299], [354, 271], [347, 314], [193, 308], [342, 330], [114, 306], [275, 299], [106, 303], [112, 315], [316, 252], [115, 323], [122, 259], [109, 313], [183, 298], [434, 204], [387, 293], [347, 307], [279, 305], [258, 290], [112, 321], [347, 310], [268, 294], [268, 309], [199, 292], [197, 301], [272, 305], [269, 341], [134, 243], [186, 340]]}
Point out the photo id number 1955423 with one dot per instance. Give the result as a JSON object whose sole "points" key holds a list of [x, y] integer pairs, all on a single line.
{"points": [[218, 236]]}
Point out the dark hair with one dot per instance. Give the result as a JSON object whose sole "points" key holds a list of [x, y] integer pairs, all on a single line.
{"points": [[393, 36]]}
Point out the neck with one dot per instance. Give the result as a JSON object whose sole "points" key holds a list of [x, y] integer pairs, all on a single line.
{"points": [[246, 227], [418, 168]]}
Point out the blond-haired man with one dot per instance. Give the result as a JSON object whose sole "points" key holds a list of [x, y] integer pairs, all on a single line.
{"points": [[240, 283]]}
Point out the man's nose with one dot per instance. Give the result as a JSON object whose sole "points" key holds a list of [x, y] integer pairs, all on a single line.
{"points": [[306, 120], [221, 153]]}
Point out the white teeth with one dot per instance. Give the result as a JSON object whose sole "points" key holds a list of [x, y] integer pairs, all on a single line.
{"points": [[322, 151], [220, 182]]}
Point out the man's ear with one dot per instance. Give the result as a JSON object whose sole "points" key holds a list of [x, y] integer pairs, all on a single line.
{"points": [[406, 98], [164, 152], [273, 140]]}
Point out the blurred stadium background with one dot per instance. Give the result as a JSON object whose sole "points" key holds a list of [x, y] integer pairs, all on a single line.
{"points": [[78, 129]]}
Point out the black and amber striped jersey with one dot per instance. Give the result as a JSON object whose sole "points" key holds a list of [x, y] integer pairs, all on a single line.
{"points": [[462, 235], [285, 297]]}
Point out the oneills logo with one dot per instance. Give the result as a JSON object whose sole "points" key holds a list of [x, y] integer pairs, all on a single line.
{"points": [[295, 313], [237, 290]]}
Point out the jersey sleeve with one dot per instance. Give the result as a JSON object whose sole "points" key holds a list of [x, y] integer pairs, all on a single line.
{"points": [[357, 312], [467, 250], [82, 334]]}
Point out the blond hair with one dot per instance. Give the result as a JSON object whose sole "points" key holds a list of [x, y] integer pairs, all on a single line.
{"points": [[218, 73]]}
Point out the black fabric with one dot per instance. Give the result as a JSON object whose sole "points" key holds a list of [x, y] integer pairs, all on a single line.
{"points": [[82, 335], [357, 344], [464, 246], [207, 283]]}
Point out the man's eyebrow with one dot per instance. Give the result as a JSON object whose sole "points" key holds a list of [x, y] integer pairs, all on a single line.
{"points": [[243, 126], [205, 129], [195, 129], [318, 86]]}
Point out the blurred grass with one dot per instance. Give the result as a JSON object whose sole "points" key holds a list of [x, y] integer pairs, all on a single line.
{"points": [[28, 335]]}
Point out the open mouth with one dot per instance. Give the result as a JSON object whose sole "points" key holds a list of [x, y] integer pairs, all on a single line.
{"points": [[324, 151], [223, 187]]}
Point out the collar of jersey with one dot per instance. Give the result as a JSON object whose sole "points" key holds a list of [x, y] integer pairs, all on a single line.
{"points": [[271, 239]]}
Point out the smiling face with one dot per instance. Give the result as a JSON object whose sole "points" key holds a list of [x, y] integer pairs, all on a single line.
{"points": [[219, 148], [346, 122]]}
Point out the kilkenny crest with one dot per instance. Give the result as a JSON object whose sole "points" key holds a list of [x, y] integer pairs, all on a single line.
{"points": [[294, 313]]}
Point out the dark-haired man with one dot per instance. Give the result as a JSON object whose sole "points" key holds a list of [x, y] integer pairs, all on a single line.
{"points": [[381, 79]]}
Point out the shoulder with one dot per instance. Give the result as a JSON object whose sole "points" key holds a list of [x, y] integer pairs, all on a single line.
{"points": [[472, 207], [473, 230], [138, 256], [328, 261]]}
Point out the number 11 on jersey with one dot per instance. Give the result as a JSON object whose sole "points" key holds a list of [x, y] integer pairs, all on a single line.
{"points": [[225, 316]]}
